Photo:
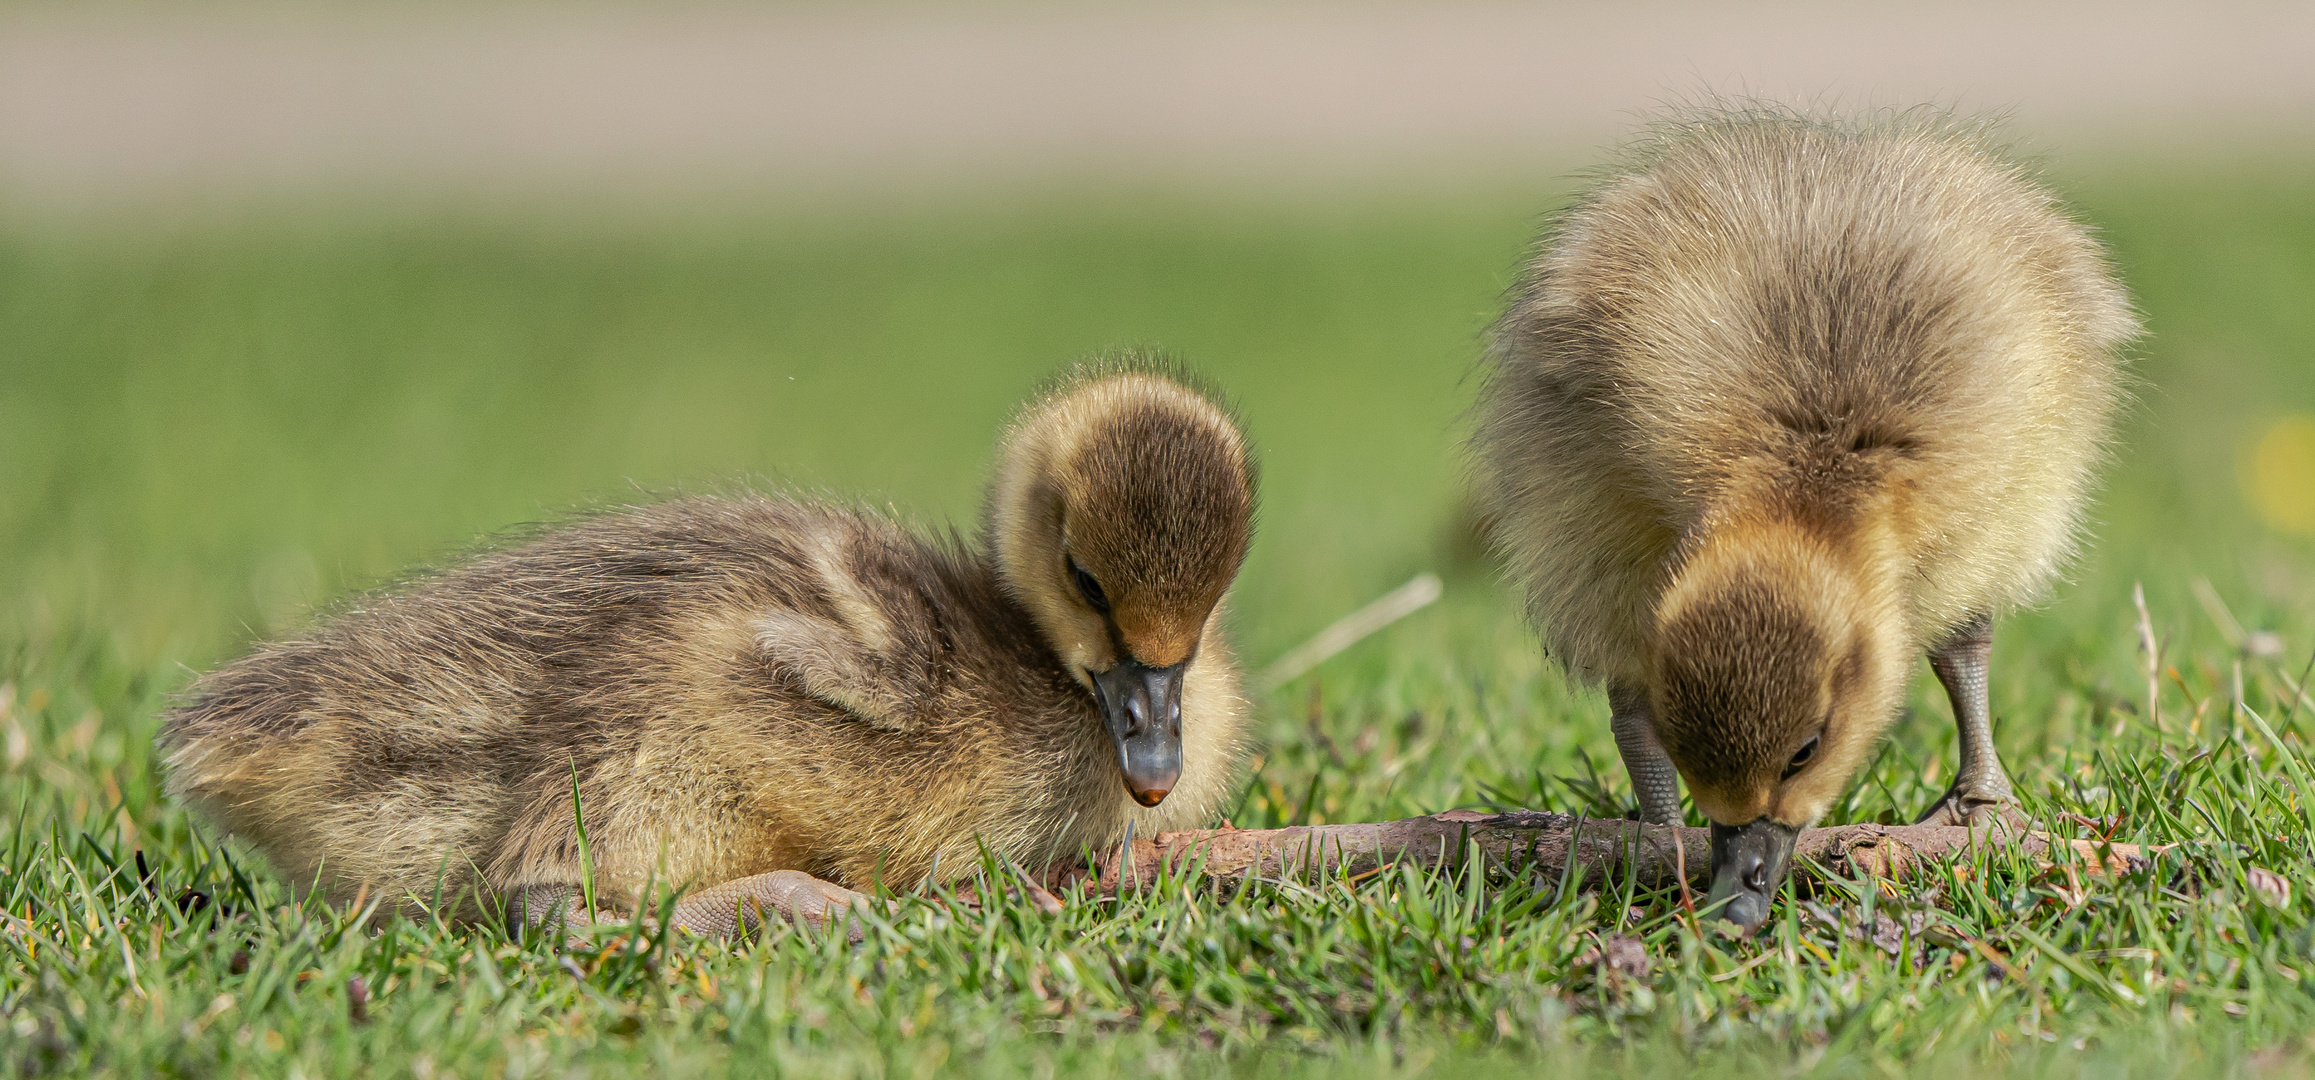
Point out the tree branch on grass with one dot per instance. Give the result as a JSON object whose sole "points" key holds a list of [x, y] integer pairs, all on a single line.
{"points": [[1545, 843]]}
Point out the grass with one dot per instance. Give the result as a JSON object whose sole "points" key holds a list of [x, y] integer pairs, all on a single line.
{"points": [[207, 428]]}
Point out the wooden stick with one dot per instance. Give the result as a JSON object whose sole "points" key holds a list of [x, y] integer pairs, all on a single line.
{"points": [[1545, 843]]}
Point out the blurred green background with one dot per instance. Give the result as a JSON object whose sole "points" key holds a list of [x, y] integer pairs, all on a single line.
{"points": [[212, 428]]}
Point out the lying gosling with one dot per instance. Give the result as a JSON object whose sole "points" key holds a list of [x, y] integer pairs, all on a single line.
{"points": [[1781, 404], [772, 701]]}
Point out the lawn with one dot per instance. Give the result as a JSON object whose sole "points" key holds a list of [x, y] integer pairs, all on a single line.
{"points": [[207, 427]]}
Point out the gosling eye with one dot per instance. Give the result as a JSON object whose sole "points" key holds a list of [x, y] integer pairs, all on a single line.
{"points": [[1089, 588], [1801, 758]]}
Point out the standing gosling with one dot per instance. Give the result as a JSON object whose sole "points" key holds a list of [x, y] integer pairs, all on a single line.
{"points": [[772, 701], [1780, 405]]}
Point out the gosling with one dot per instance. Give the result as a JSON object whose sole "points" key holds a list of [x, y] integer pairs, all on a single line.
{"points": [[1780, 404], [774, 702]]}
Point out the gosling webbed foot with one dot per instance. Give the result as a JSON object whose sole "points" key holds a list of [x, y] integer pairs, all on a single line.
{"points": [[1979, 802], [737, 908], [536, 906]]}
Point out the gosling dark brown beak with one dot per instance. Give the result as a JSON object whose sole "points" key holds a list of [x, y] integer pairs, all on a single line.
{"points": [[1143, 706], [1748, 864]]}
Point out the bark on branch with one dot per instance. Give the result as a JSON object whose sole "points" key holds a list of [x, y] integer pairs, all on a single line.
{"points": [[1546, 843]]}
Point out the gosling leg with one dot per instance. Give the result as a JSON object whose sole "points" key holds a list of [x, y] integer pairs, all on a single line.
{"points": [[1654, 779], [736, 908], [1981, 791]]}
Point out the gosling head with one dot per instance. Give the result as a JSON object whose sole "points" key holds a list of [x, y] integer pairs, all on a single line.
{"points": [[1123, 506], [1776, 669]]}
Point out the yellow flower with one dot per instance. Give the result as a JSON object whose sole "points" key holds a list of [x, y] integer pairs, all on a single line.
{"points": [[2282, 475]]}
